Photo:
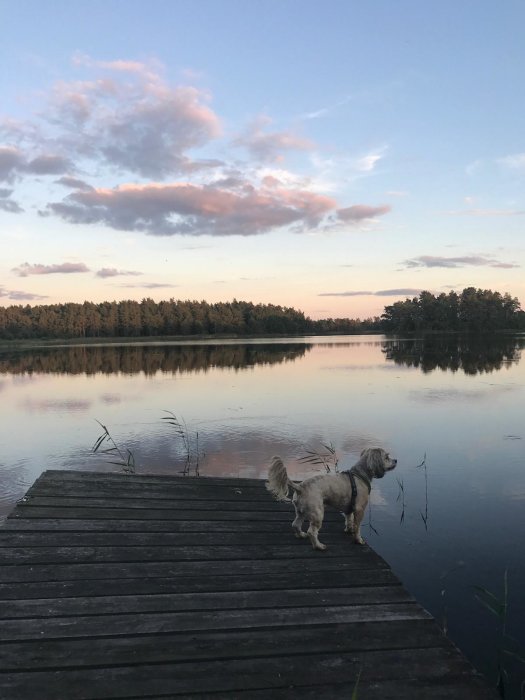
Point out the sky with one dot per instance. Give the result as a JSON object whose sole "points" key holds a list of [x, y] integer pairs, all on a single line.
{"points": [[333, 156]]}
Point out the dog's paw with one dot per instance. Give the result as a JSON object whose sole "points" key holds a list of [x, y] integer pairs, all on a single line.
{"points": [[320, 547], [359, 540], [300, 535]]}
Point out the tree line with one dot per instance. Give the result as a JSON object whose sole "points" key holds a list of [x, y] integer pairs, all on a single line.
{"points": [[473, 310], [147, 318]]}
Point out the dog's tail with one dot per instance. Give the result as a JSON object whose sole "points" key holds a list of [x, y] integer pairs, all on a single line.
{"points": [[278, 483]]}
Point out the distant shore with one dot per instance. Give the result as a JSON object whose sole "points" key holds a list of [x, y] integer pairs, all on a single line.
{"points": [[139, 340], [189, 339]]}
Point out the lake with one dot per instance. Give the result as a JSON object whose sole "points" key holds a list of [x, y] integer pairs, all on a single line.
{"points": [[450, 409]]}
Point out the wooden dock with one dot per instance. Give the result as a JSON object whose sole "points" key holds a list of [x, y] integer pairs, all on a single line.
{"points": [[116, 586]]}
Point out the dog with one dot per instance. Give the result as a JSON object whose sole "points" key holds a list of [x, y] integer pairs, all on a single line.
{"points": [[347, 491]]}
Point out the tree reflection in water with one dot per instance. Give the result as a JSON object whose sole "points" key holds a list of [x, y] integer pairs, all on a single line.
{"points": [[149, 359], [470, 354]]}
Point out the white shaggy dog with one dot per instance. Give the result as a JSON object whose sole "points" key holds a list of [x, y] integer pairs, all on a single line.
{"points": [[347, 491]]}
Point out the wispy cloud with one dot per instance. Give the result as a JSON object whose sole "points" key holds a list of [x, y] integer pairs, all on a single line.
{"points": [[474, 167], [148, 285], [8, 204], [324, 111], [360, 212], [17, 295], [460, 261], [25, 269], [270, 145], [73, 183], [336, 172], [367, 163], [486, 212], [380, 293], [14, 163], [113, 272], [397, 193], [147, 71], [515, 161]]}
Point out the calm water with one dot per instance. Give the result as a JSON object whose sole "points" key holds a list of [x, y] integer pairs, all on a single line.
{"points": [[450, 410]]}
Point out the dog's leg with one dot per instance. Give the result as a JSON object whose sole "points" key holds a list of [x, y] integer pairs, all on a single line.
{"points": [[312, 533], [349, 523], [316, 521], [297, 524], [358, 517]]}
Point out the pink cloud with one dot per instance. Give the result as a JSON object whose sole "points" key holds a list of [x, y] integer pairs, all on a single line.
{"points": [[148, 71], [149, 285], [183, 208], [26, 269], [142, 125], [359, 212], [113, 272], [18, 295]]}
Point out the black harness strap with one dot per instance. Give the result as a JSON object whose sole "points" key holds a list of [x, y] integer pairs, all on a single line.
{"points": [[351, 474]]}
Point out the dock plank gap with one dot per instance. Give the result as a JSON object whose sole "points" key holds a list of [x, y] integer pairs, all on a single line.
{"points": [[128, 586]]}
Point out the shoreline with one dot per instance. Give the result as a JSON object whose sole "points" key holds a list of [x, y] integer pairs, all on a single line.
{"points": [[163, 339]]}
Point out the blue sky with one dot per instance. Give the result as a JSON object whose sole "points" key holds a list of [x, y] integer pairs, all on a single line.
{"points": [[334, 157]]}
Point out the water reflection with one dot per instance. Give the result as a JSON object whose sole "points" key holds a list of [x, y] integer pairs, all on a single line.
{"points": [[459, 488], [149, 359], [472, 355]]}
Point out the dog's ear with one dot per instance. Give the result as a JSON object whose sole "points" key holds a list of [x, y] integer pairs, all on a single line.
{"points": [[375, 461]]}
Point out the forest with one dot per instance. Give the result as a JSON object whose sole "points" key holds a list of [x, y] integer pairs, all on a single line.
{"points": [[147, 318], [474, 310]]}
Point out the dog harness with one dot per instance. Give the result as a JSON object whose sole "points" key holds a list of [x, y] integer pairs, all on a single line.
{"points": [[351, 474]]}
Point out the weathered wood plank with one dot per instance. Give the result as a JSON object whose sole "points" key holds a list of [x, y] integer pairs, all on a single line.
{"points": [[112, 604], [236, 674], [143, 502], [26, 510], [465, 686], [85, 476], [185, 584], [165, 622], [247, 567], [98, 481], [183, 646], [52, 524], [14, 556], [133, 490], [90, 538]]}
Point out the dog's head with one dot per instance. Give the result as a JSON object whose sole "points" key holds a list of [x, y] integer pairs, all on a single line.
{"points": [[377, 462]]}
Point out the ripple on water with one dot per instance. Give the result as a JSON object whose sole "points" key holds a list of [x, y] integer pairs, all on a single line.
{"points": [[16, 480]]}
